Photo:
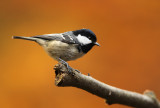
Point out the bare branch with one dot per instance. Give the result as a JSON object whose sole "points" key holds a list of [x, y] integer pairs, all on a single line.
{"points": [[112, 94]]}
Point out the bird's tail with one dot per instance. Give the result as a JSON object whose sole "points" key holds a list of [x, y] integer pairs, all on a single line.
{"points": [[25, 38]]}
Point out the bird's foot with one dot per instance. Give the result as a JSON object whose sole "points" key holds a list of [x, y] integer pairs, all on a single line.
{"points": [[67, 65]]}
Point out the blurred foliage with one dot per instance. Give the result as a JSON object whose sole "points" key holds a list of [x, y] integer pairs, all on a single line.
{"points": [[129, 56]]}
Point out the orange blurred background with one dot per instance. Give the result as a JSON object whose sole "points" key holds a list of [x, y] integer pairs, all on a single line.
{"points": [[129, 56]]}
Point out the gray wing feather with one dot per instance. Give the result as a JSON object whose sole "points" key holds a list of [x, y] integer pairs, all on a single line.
{"points": [[49, 37], [66, 38]]}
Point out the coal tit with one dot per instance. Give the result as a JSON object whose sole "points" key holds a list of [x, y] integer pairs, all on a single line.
{"points": [[65, 46]]}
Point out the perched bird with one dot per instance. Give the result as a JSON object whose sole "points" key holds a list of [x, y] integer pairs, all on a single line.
{"points": [[65, 46]]}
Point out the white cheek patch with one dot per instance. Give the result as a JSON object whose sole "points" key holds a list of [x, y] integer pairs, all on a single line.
{"points": [[84, 40]]}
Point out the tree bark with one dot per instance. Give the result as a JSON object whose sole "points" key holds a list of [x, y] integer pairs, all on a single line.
{"points": [[112, 94]]}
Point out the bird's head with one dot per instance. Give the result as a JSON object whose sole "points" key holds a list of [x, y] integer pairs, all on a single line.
{"points": [[86, 37]]}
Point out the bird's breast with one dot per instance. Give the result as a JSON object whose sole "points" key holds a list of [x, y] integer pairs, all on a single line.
{"points": [[58, 49]]}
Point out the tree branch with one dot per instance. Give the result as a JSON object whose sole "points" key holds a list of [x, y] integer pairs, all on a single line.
{"points": [[112, 94]]}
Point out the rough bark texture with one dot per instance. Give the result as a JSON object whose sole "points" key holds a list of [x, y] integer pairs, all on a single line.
{"points": [[112, 94]]}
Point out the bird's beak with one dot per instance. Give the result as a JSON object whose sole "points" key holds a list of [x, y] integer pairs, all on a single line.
{"points": [[97, 44]]}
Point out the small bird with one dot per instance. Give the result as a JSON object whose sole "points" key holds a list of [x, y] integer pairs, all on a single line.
{"points": [[65, 46]]}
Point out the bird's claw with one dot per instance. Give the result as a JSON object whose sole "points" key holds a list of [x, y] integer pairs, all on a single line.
{"points": [[67, 65]]}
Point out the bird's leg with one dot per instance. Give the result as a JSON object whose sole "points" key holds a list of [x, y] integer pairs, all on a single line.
{"points": [[66, 64]]}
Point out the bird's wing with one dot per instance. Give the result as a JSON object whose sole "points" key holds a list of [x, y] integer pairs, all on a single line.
{"points": [[66, 38]]}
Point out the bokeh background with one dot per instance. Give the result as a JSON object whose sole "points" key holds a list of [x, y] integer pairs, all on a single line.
{"points": [[129, 56]]}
